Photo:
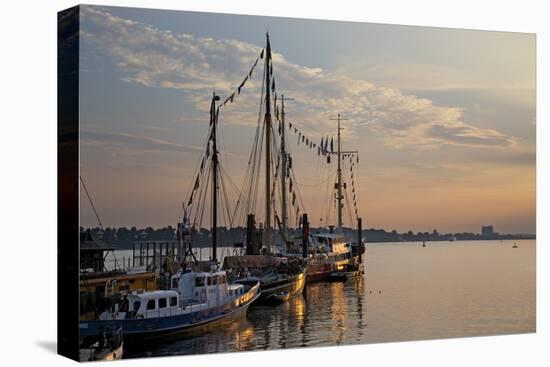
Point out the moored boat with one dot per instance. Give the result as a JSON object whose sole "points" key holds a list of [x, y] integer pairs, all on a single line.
{"points": [[198, 300], [275, 274], [349, 271], [106, 347]]}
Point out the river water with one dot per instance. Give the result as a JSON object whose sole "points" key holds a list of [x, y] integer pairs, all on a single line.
{"points": [[409, 292]]}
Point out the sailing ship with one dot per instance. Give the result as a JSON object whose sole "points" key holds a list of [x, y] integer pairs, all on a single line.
{"points": [[201, 295], [283, 276]]}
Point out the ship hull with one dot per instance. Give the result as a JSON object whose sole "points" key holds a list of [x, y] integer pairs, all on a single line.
{"points": [[136, 330], [293, 285], [319, 270]]}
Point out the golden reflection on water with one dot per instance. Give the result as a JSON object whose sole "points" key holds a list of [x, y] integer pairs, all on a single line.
{"points": [[408, 293]]}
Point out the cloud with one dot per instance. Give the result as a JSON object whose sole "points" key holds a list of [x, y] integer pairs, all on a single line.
{"points": [[153, 57], [133, 143]]}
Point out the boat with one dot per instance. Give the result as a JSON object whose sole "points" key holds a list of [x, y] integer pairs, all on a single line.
{"points": [[276, 274], [280, 297], [107, 347], [349, 271], [198, 301], [328, 252]]}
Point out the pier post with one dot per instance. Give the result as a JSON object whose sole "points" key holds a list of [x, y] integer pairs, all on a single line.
{"points": [[134, 254], [251, 246], [305, 233], [147, 255], [360, 246], [154, 254]]}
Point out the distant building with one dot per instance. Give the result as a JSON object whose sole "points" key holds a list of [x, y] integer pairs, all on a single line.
{"points": [[488, 232]]}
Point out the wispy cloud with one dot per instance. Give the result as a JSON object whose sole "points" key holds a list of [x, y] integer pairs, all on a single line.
{"points": [[133, 143], [153, 57]]}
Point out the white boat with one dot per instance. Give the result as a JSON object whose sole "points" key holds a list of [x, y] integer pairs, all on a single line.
{"points": [[196, 300]]}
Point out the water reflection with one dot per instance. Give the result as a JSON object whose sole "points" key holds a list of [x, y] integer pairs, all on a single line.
{"points": [[445, 290]]}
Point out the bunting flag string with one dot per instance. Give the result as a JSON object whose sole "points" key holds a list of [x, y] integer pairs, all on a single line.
{"points": [[230, 99]]}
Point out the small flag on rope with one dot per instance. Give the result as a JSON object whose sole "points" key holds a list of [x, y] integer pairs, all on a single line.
{"points": [[202, 165], [262, 54], [231, 97], [190, 200], [208, 149], [290, 125], [328, 159], [273, 85], [196, 184], [242, 85], [331, 145], [303, 138]]}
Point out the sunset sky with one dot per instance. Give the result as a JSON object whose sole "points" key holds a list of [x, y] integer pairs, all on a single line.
{"points": [[444, 119]]}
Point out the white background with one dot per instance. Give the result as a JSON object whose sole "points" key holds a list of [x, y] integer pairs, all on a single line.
{"points": [[28, 51]]}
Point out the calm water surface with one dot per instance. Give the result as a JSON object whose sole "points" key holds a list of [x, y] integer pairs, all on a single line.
{"points": [[447, 289]]}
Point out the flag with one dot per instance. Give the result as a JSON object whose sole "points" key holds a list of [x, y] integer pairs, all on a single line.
{"points": [[190, 200], [273, 85], [196, 184], [331, 145], [242, 85], [290, 125], [262, 54], [231, 97]]}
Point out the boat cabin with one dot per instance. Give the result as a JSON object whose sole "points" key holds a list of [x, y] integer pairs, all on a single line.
{"points": [[332, 244], [153, 304], [210, 288]]}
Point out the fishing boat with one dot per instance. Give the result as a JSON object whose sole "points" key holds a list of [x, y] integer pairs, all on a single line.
{"points": [[198, 301]]}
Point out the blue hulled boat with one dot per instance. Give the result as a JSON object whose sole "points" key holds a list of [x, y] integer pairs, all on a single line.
{"points": [[197, 300]]}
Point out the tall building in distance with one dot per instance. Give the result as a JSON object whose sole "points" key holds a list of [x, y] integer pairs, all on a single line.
{"points": [[488, 232]]}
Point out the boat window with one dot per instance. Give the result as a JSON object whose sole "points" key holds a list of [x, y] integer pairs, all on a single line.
{"points": [[209, 280], [162, 303], [137, 305], [173, 301], [199, 282], [151, 304], [222, 279], [175, 282], [215, 279]]}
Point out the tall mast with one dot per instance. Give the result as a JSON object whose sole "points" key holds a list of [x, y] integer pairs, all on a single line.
{"points": [[267, 224], [339, 195], [339, 184], [214, 122], [283, 169]]}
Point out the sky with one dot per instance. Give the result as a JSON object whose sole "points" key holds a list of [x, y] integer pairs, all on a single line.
{"points": [[443, 119]]}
